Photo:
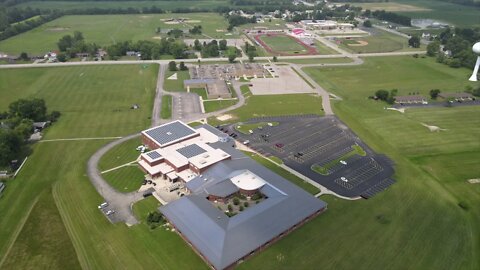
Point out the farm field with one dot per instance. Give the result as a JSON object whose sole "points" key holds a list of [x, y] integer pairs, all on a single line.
{"points": [[165, 5], [108, 29], [390, 6], [54, 186], [458, 15], [273, 105], [379, 41]]}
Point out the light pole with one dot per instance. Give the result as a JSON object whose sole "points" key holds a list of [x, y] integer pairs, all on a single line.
{"points": [[476, 50]]}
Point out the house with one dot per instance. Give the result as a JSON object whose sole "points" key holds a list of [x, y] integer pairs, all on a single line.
{"points": [[270, 206], [40, 125], [82, 55], [411, 99], [457, 96]]}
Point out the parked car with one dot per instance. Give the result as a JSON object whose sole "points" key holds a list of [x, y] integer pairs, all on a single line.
{"points": [[103, 205], [110, 212]]}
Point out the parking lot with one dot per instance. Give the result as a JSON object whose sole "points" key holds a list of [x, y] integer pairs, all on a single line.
{"points": [[307, 142]]}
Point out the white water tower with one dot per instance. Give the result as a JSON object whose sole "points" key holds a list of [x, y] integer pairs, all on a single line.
{"points": [[476, 50]]}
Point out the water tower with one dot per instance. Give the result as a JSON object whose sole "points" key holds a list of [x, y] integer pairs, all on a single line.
{"points": [[476, 50]]}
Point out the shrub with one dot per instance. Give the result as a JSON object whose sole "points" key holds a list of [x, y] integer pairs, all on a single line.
{"points": [[236, 201], [230, 208], [245, 204], [241, 208]]}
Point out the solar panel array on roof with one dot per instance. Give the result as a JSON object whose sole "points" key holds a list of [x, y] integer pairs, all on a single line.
{"points": [[170, 132], [154, 155], [190, 151]]}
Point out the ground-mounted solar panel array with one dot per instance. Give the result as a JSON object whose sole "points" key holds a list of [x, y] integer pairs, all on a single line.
{"points": [[324, 150], [170, 132]]}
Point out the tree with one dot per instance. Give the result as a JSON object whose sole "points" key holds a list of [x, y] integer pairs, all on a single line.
{"points": [[24, 128], [251, 55], [197, 46], [61, 57], [172, 66], [34, 109], [382, 94], [275, 59], [367, 23], [231, 57], [182, 66], [222, 45], [65, 42], [414, 42], [433, 48], [24, 56], [54, 115], [434, 93], [10, 145]]}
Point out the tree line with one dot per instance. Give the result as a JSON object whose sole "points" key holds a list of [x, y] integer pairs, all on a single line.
{"points": [[457, 47], [16, 126], [149, 49], [391, 17]]}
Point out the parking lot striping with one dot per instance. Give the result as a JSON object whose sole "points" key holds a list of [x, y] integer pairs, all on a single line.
{"points": [[80, 139], [118, 167]]}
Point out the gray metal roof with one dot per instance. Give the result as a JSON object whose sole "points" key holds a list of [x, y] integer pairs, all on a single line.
{"points": [[154, 155], [223, 240], [169, 133], [223, 189], [190, 151]]}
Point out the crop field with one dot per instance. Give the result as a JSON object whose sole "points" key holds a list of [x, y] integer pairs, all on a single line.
{"points": [[379, 41], [165, 5], [108, 29], [49, 212], [458, 15]]}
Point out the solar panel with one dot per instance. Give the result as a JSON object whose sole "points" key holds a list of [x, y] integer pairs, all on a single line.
{"points": [[191, 151], [154, 155], [170, 132]]}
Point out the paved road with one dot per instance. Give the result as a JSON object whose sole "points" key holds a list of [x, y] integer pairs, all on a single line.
{"points": [[157, 103]]}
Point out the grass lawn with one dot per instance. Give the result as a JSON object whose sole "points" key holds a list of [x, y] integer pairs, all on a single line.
{"points": [[215, 105], [380, 41], [281, 43], [166, 112], [274, 105], [175, 85], [120, 154], [323, 170], [107, 29], [419, 217], [200, 92], [317, 60], [284, 173], [323, 49], [125, 179], [142, 208], [245, 128], [49, 212]]}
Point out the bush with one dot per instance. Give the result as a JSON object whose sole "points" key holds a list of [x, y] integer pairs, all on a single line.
{"points": [[154, 218], [464, 205], [241, 208], [172, 66], [236, 201], [245, 204], [230, 208], [256, 196]]}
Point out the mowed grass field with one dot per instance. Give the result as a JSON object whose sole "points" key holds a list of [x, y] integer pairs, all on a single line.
{"points": [[272, 105], [108, 29], [417, 223], [49, 212], [390, 6], [379, 41]]}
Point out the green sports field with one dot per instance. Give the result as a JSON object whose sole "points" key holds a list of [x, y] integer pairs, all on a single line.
{"points": [[379, 41], [281, 43], [108, 29]]}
